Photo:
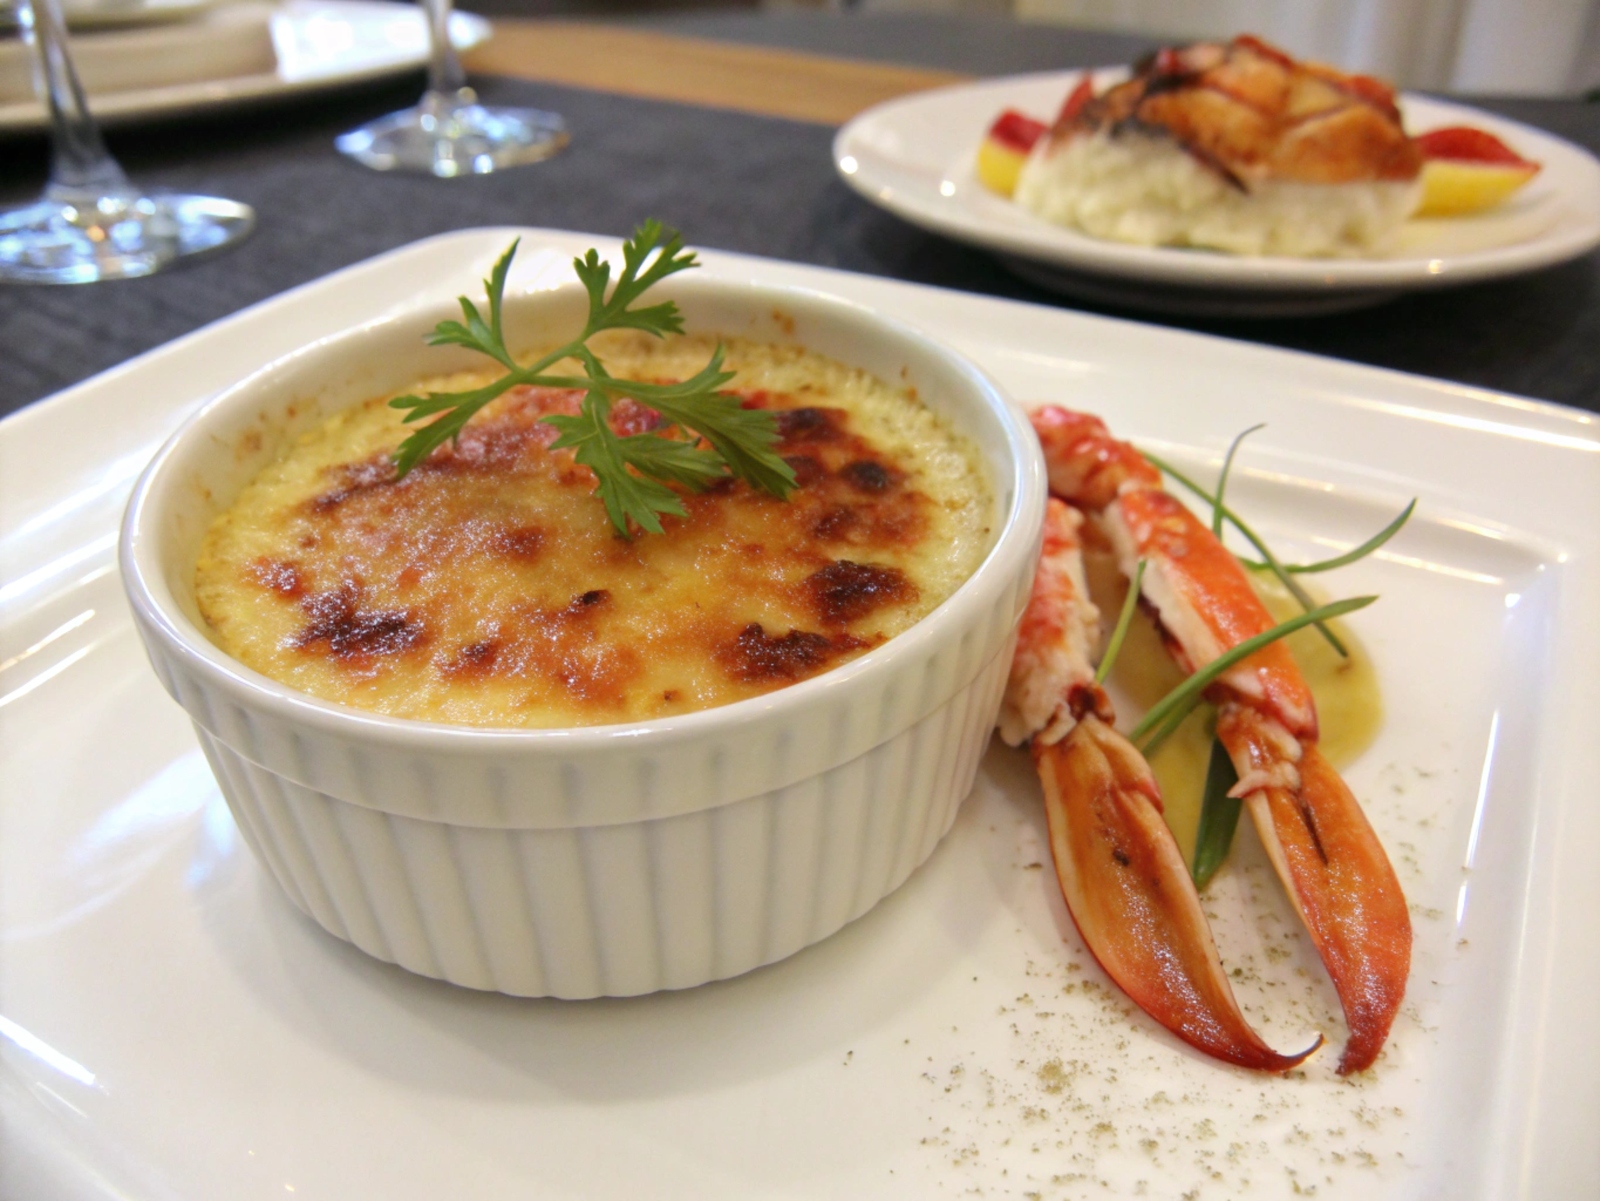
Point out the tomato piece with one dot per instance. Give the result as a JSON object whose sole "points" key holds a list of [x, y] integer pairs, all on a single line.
{"points": [[1017, 131], [1463, 143]]}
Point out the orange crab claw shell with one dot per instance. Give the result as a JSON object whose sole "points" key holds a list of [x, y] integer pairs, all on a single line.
{"points": [[1341, 883], [1131, 897], [1087, 465]]}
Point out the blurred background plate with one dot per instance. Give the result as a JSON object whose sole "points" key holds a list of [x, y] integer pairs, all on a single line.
{"points": [[231, 54], [98, 14], [914, 157]]}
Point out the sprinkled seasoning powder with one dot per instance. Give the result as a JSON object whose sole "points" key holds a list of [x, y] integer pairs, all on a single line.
{"points": [[1068, 1091]]}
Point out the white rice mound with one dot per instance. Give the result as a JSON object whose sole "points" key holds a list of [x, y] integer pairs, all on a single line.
{"points": [[1147, 190]]}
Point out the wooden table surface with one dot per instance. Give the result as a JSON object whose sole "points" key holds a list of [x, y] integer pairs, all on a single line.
{"points": [[718, 74]]}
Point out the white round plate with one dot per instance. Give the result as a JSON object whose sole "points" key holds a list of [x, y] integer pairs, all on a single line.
{"points": [[914, 157], [318, 44]]}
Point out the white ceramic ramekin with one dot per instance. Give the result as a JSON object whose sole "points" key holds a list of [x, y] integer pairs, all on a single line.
{"points": [[609, 860]]}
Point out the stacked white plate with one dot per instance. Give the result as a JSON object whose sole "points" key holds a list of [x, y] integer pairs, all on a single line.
{"points": [[151, 58]]}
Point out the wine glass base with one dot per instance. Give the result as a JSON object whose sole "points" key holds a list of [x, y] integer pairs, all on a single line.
{"points": [[75, 237], [455, 139]]}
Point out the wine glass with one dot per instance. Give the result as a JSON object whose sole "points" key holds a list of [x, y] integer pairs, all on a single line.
{"points": [[92, 223], [449, 133]]}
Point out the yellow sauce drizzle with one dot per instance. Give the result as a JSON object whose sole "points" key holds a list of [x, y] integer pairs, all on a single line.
{"points": [[1349, 704]]}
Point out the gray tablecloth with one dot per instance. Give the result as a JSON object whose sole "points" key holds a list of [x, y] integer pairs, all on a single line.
{"points": [[730, 181]]}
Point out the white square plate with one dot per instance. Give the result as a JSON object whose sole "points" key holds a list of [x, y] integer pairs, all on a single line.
{"points": [[171, 1027]]}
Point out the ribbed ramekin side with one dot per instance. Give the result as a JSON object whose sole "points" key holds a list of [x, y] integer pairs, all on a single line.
{"points": [[566, 934], [495, 882], [621, 909], [472, 782]]}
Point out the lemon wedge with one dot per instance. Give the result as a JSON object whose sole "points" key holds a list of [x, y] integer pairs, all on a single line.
{"points": [[1451, 188], [999, 166]]}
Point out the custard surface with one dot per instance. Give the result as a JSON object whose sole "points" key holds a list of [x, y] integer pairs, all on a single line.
{"points": [[489, 588]]}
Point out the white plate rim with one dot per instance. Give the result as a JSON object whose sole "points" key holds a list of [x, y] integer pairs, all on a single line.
{"points": [[923, 205]]}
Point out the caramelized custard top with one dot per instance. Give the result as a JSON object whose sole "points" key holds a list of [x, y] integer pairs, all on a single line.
{"points": [[489, 588]]}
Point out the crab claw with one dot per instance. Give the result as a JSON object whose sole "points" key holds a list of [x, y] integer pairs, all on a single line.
{"points": [[1340, 880], [1131, 897]]}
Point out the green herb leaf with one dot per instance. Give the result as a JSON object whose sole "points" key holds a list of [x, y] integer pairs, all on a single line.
{"points": [[1289, 582], [1349, 556], [627, 496], [706, 435], [474, 333], [1219, 816], [1222, 479], [1124, 619], [614, 313], [457, 408], [672, 459], [1187, 694]]}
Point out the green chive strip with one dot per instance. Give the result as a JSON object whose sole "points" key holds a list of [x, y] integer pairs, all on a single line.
{"points": [[1219, 816], [1349, 556], [1124, 619], [1222, 480], [1179, 715], [1202, 679], [1277, 568]]}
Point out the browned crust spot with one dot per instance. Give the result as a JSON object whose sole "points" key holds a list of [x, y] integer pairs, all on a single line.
{"points": [[522, 543], [350, 632], [844, 591], [354, 479], [475, 660], [807, 469], [809, 424], [756, 656], [870, 476], [539, 642], [282, 576]]}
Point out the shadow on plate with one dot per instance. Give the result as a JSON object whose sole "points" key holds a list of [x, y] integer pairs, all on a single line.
{"points": [[427, 1034]]}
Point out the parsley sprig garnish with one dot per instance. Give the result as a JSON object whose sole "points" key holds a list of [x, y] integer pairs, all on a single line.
{"points": [[707, 434]]}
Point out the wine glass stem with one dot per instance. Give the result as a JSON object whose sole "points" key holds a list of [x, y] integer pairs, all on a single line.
{"points": [[445, 76], [79, 161]]}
